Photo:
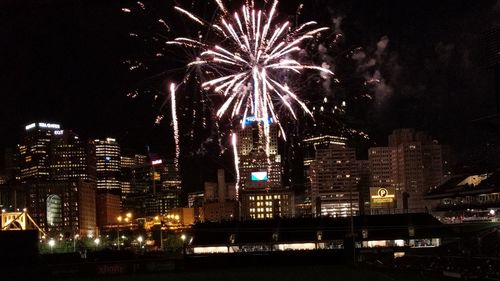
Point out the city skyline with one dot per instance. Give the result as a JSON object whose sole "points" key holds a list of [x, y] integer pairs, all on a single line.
{"points": [[353, 102], [250, 139], [111, 114]]}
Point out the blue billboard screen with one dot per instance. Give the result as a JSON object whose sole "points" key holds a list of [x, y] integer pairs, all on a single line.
{"points": [[259, 176]]}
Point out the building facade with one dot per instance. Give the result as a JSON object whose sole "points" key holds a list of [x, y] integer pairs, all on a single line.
{"points": [[108, 207], [63, 207], [220, 203], [334, 181], [34, 151], [68, 157], [269, 204], [411, 165], [260, 173], [106, 161], [258, 168]]}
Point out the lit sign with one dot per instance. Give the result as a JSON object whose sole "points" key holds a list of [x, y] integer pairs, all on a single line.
{"points": [[110, 140], [259, 176], [30, 126], [382, 196], [59, 132], [156, 162], [49, 126], [250, 119]]}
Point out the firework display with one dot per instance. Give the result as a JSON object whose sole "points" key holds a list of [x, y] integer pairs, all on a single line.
{"points": [[250, 60]]}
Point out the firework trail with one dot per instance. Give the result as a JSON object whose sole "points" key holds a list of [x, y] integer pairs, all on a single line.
{"points": [[175, 124], [248, 59], [236, 163]]}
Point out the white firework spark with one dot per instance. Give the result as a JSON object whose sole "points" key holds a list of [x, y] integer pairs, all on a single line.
{"points": [[234, 142], [175, 124], [253, 52]]}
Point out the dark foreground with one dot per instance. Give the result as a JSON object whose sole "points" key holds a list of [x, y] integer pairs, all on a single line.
{"points": [[264, 273], [276, 266]]}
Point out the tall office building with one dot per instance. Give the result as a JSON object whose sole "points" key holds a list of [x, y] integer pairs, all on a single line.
{"points": [[309, 145], [170, 178], [106, 161], [155, 188], [261, 173], [334, 180], [128, 164], [55, 179], [68, 157], [63, 206], [383, 163], [363, 171], [34, 151], [411, 164], [253, 159]]}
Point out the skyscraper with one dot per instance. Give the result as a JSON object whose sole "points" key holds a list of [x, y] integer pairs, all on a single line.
{"points": [[411, 164], [68, 157], [128, 164], [54, 174], [63, 206], [106, 161], [155, 188], [334, 179], [253, 158], [34, 151], [260, 173], [309, 145]]}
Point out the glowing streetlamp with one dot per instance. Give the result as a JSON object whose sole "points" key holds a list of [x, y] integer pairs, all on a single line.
{"points": [[139, 239], [52, 243], [157, 219], [183, 238], [74, 242], [97, 241], [127, 218], [119, 219]]}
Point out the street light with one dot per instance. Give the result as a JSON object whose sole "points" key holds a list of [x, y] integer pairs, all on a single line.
{"points": [[126, 218], [183, 238], [74, 242], [97, 241], [157, 218], [139, 239], [52, 243], [119, 219]]}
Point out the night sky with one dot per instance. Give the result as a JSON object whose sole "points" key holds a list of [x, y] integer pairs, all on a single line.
{"points": [[62, 61]]}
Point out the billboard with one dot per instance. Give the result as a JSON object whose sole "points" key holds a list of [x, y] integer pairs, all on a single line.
{"points": [[251, 119], [382, 195], [259, 176]]}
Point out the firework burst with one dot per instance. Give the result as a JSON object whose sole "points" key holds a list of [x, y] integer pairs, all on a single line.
{"points": [[251, 55]]}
